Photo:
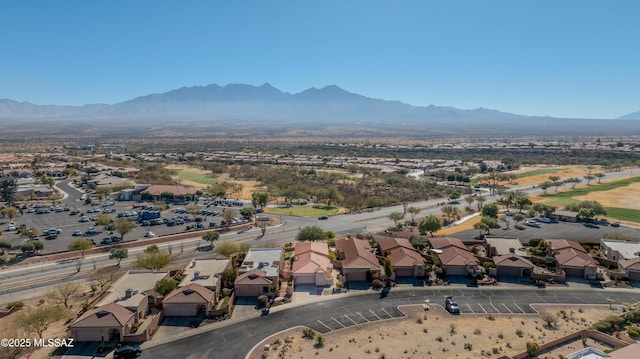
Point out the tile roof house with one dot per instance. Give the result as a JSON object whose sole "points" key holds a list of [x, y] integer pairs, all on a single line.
{"points": [[631, 267], [259, 273], [311, 264], [206, 272], [626, 253], [356, 259], [190, 300], [511, 265], [454, 256], [130, 290], [573, 259], [406, 262], [108, 322]]}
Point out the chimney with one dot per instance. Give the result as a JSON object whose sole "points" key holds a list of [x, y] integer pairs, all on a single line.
{"points": [[128, 293], [512, 250], [196, 275]]}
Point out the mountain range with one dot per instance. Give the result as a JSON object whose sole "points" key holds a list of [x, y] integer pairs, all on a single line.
{"points": [[326, 106]]}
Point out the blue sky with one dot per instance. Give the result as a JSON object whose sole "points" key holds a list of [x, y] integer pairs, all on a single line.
{"points": [[570, 58]]}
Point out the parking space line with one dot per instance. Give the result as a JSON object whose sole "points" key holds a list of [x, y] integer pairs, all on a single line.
{"points": [[390, 316], [468, 306], [335, 320], [352, 321], [507, 308], [516, 304], [481, 307], [362, 316], [375, 314], [328, 327], [494, 307]]}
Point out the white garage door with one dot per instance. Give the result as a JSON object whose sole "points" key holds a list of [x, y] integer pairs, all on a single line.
{"points": [[304, 279], [181, 310]]}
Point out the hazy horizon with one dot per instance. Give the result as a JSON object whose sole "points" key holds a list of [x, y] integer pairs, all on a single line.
{"points": [[570, 59]]}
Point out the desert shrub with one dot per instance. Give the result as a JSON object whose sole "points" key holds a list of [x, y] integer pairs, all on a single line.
{"points": [[533, 348], [468, 346], [308, 333], [377, 284], [634, 332], [17, 304], [602, 326], [519, 332], [320, 341]]}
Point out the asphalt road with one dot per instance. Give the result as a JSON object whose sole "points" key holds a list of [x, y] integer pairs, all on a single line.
{"points": [[235, 341]]}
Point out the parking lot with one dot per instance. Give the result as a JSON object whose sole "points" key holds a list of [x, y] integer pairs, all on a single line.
{"points": [[69, 222], [349, 318]]}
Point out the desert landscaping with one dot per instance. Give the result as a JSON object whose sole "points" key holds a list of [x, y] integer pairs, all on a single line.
{"points": [[437, 334]]}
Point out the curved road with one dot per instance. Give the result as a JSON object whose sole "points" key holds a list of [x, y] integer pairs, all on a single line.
{"points": [[235, 340]]}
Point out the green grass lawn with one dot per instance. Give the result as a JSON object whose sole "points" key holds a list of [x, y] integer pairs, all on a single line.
{"points": [[540, 171], [313, 210], [623, 214], [197, 177], [562, 199]]}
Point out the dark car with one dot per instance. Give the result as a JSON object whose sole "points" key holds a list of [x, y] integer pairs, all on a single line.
{"points": [[127, 351], [615, 224], [385, 291], [323, 217]]}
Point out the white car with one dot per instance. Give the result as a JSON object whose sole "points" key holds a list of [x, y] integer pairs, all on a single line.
{"points": [[149, 234], [544, 220], [532, 224], [11, 227]]}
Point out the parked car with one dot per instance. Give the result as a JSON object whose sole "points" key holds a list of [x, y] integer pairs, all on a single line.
{"points": [[106, 240], [532, 224], [77, 233], [84, 219], [323, 217], [91, 230], [450, 305], [127, 351], [544, 220], [385, 291], [510, 213], [615, 224], [149, 234], [11, 227]]}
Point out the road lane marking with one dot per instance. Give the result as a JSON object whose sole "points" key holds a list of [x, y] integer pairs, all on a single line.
{"points": [[352, 321], [519, 307], [468, 306], [371, 311], [494, 307], [481, 307], [507, 308], [335, 320], [328, 327]]}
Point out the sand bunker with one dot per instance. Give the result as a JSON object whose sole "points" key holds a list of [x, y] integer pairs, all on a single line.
{"points": [[623, 197]]}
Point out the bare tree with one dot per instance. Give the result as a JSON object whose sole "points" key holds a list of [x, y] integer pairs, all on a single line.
{"points": [[63, 292], [38, 319], [104, 276]]}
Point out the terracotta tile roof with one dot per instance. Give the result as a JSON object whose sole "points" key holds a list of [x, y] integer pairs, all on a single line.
{"points": [[318, 247], [254, 276], [311, 257], [190, 293], [559, 244], [110, 315], [157, 190], [386, 244], [454, 256], [632, 264], [404, 257], [444, 242], [570, 257], [356, 254], [512, 261]]}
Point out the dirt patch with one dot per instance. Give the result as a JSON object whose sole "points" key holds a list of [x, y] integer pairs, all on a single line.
{"points": [[248, 186], [565, 172], [56, 330], [435, 334], [623, 197]]}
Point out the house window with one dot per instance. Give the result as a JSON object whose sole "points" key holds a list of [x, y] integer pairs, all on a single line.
{"points": [[265, 289]]}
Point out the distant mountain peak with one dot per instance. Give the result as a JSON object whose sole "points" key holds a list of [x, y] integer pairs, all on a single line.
{"points": [[630, 116]]}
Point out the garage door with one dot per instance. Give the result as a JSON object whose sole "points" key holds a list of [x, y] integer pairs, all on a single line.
{"points": [[357, 276], [304, 279], [88, 335], [404, 272], [180, 310]]}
